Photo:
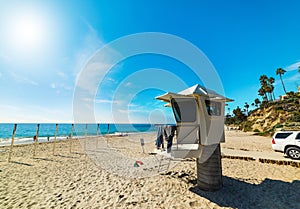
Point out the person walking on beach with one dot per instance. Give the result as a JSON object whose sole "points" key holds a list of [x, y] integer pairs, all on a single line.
{"points": [[160, 138], [169, 132]]}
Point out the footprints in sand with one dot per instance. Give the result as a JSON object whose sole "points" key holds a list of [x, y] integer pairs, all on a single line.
{"points": [[76, 182]]}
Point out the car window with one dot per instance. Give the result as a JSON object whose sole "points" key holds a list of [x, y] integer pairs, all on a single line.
{"points": [[282, 135], [298, 136]]}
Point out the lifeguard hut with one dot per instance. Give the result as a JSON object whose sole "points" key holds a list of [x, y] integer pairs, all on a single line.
{"points": [[199, 115]]}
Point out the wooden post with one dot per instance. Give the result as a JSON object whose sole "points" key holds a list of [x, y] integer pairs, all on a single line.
{"points": [[36, 138], [71, 136], [142, 144], [107, 135], [86, 133], [98, 128], [209, 173], [54, 142], [97, 135], [12, 142]]}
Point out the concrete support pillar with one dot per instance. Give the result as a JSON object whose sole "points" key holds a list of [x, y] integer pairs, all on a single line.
{"points": [[209, 173]]}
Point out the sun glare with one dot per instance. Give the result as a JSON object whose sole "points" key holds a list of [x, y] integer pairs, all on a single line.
{"points": [[29, 35], [26, 32]]}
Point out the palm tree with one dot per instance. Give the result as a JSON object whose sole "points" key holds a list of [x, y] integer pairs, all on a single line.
{"points": [[280, 72], [247, 107], [298, 85], [238, 114], [271, 80], [263, 79], [257, 102], [263, 89], [262, 93], [268, 89]]}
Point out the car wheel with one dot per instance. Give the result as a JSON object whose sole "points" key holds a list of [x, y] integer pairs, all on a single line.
{"points": [[293, 152]]}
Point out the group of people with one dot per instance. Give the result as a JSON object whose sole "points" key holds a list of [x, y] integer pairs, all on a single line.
{"points": [[165, 133]]}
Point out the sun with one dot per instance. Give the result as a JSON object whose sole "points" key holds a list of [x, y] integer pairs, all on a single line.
{"points": [[27, 32], [29, 35]]}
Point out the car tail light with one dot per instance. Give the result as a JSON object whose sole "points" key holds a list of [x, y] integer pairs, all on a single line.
{"points": [[273, 141]]}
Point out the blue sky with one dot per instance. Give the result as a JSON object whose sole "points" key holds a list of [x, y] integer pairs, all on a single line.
{"points": [[44, 45]]}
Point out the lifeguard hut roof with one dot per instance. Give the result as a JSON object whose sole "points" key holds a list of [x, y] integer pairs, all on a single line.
{"points": [[194, 90]]}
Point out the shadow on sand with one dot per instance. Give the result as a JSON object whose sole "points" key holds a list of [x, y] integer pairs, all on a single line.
{"points": [[65, 156], [243, 195], [20, 163], [45, 159]]}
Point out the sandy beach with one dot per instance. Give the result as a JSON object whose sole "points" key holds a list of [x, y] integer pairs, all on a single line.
{"points": [[82, 179]]}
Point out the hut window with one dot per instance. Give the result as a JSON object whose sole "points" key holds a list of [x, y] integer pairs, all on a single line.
{"points": [[213, 108], [184, 109]]}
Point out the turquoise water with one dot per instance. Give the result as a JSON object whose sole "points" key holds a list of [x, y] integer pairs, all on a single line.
{"points": [[26, 131]]}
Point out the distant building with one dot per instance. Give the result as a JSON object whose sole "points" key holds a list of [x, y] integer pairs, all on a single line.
{"points": [[283, 97]]}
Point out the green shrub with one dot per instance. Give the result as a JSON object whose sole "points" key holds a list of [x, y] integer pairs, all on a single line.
{"points": [[278, 126], [264, 133], [294, 118]]}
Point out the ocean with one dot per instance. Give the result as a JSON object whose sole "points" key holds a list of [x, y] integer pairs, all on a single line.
{"points": [[26, 131]]}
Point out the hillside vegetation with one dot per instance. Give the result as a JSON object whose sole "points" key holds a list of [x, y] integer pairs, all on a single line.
{"points": [[269, 117]]}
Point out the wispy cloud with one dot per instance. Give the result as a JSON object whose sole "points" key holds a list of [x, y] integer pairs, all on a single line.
{"points": [[293, 66], [132, 105], [14, 113], [291, 81], [294, 78], [62, 75], [60, 86], [103, 101], [95, 66], [130, 111], [128, 84], [23, 79], [66, 87], [123, 111], [91, 44], [109, 81], [107, 101]]}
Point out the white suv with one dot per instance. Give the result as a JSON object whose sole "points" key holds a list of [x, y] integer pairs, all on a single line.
{"points": [[287, 142]]}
